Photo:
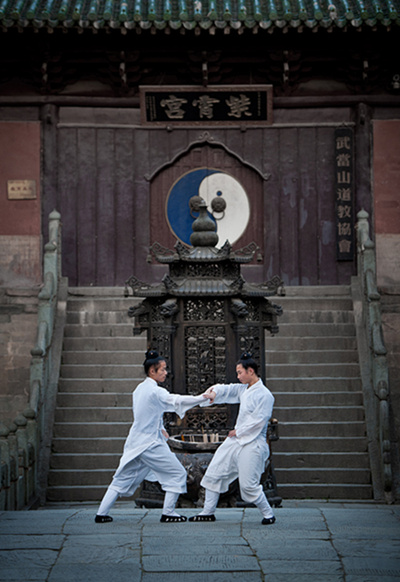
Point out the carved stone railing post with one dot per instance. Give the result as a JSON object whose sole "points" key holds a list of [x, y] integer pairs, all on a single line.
{"points": [[5, 468], [378, 367]]}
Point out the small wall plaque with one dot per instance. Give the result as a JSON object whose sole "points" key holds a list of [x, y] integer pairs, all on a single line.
{"points": [[21, 189]]}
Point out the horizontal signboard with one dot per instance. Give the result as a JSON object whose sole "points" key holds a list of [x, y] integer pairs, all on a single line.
{"points": [[171, 105]]}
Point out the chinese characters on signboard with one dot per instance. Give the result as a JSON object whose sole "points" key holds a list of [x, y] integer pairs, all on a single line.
{"points": [[194, 105], [344, 193], [21, 189]]}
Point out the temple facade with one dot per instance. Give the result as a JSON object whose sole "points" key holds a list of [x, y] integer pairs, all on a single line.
{"points": [[283, 116]]}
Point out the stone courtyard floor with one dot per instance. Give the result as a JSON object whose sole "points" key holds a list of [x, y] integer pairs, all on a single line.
{"points": [[310, 541]]}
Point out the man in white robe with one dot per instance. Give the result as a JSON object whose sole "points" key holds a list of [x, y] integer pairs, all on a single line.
{"points": [[146, 453], [245, 451]]}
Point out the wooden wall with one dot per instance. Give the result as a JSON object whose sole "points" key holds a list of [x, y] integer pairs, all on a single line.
{"points": [[100, 166]]}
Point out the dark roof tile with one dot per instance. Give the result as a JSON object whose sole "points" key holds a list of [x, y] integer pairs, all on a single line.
{"points": [[201, 14]]}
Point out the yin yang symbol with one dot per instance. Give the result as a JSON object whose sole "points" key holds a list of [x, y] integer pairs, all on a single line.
{"points": [[231, 215]]}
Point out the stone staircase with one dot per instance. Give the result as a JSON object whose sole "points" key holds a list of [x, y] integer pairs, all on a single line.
{"points": [[312, 368], [101, 365], [313, 371]]}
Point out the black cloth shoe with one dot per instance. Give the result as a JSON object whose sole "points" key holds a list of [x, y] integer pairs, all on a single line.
{"points": [[172, 518], [202, 518], [103, 519], [268, 520]]}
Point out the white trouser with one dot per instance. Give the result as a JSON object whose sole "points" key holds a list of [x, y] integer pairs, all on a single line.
{"points": [[211, 502], [231, 461], [111, 497], [158, 460]]}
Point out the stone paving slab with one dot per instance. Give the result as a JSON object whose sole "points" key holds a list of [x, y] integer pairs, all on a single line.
{"points": [[313, 542], [203, 577], [31, 542], [161, 546], [96, 573]]}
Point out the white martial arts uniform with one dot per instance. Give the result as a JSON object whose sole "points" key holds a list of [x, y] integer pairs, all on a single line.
{"points": [[146, 453], [244, 455]]}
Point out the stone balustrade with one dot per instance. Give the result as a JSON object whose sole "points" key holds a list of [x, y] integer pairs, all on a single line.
{"points": [[23, 442], [377, 395]]}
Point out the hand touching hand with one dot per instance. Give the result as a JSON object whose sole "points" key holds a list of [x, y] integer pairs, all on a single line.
{"points": [[210, 394]]}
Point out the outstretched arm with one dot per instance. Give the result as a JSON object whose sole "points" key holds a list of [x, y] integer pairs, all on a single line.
{"points": [[181, 403], [224, 393]]}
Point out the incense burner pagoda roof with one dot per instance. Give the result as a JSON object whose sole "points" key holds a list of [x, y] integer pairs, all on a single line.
{"points": [[203, 254], [187, 287], [197, 15]]}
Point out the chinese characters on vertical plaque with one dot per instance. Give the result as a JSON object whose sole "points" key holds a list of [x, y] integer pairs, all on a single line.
{"points": [[206, 105], [344, 193]]}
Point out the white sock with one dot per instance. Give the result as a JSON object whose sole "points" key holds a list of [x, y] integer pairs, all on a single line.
{"points": [[210, 503], [170, 500], [108, 501], [263, 505]]}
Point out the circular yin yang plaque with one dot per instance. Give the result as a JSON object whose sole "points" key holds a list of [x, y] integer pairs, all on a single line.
{"points": [[209, 184]]}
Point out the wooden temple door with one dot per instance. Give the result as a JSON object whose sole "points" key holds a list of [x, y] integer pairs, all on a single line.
{"points": [[214, 174]]}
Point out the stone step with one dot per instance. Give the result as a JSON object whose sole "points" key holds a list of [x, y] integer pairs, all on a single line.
{"points": [[290, 429], [77, 493], [66, 477], [98, 317], [302, 445], [79, 461], [325, 491], [316, 316], [320, 444], [132, 371], [124, 357], [99, 330], [114, 413], [304, 399], [288, 491], [317, 413], [87, 385], [95, 445], [100, 304], [106, 344], [94, 399], [297, 370], [325, 429], [323, 475], [323, 384], [282, 399], [92, 429], [300, 460], [311, 357], [96, 477], [94, 414], [315, 329], [298, 304], [100, 460], [280, 343]]}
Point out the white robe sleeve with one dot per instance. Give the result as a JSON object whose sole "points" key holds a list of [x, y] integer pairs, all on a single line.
{"points": [[254, 420], [177, 402], [226, 393]]}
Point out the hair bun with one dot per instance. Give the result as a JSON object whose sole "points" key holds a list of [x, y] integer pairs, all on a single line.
{"points": [[151, 355], [246, 356]]}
